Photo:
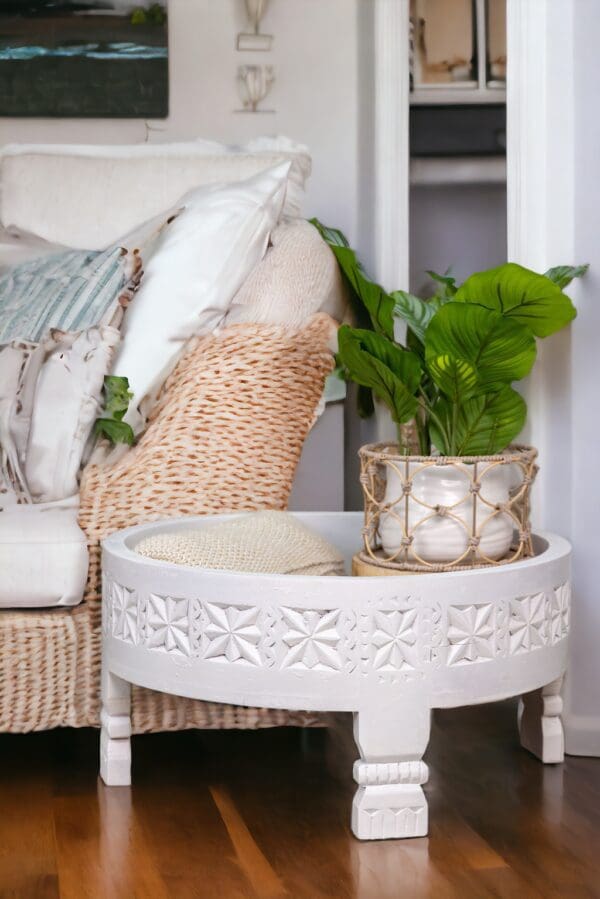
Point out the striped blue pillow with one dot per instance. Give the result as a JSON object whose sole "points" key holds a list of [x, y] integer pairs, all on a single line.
{"points": [[72, 290]]}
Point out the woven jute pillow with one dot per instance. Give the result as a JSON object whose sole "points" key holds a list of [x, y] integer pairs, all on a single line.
{"points": [[225, 436]]}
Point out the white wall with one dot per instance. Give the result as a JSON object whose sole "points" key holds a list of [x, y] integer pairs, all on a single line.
{"points": [[583, 713], [315, 95]]}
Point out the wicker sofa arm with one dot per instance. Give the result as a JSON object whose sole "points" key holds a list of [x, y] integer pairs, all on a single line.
{"points": [[226, 433]]}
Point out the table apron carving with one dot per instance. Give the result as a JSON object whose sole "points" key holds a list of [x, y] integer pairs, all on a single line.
{"points": [[387, 649]]}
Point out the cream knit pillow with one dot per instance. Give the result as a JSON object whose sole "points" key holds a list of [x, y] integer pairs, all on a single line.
{"points": [[267, 542], [297, 277]]}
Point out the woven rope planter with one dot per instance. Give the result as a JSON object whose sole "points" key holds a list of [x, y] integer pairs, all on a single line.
{"points": [[425, 513]]}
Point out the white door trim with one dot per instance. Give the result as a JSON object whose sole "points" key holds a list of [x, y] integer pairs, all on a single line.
{"points": [[391, 158], [553, 194]]}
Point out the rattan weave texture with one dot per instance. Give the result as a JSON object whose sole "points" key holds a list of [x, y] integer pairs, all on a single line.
{"points": [[226, 435]]}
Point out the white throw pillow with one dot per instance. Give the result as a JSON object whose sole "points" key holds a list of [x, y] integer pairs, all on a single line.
{"points": [[67, 403], [88, 196], [43, 555], [200, 262]]}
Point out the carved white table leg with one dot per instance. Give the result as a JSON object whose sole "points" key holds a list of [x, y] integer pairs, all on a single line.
{"points": [[540, 725], [390, 802], [115, 742]]}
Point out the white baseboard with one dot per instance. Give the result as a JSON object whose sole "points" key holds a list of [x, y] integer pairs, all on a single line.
{"points": [[582, 734]]}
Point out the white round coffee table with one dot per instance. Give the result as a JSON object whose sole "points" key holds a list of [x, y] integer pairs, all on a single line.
{"points": [[388, 649]]}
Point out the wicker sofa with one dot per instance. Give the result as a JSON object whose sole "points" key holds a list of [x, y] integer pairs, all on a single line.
{"points": [[225, 435]]}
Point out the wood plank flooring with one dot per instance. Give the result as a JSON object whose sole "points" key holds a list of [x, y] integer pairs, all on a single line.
{"points": [[264, 815]]}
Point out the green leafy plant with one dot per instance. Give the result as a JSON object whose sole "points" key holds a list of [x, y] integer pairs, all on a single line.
{"points": [[116, 402], [465, 346], [155, 14]]}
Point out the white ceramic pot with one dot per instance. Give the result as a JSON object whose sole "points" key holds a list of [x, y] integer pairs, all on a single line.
{"points": [[442, 528]]}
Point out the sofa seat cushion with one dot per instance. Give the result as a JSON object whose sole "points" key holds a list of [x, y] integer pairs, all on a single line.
{"points": [[43, 555]]}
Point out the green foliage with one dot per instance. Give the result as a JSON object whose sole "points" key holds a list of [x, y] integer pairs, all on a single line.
{"points": [[489, 350], [446, 286], [465, 346], [480, 426], [155, 14], [564, 274], [417, 313], [518, 293], [116, 403], [392, 373], [366, 295]]}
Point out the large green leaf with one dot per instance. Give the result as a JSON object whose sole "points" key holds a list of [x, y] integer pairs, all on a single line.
{"points": [[415, 312], [376, 301], [462, 337], [522, 295], [480, 426], [455, 377], [391, 372], [564, 274]]}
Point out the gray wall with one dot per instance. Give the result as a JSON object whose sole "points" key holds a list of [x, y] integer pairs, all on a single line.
{"points": [[462, 227]]}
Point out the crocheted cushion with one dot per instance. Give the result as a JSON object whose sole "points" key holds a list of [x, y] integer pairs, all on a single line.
{"points": [[267, 542], [297, 277]]}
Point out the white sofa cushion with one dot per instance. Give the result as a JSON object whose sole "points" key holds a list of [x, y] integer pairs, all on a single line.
{"points": [[200, 262], [88, 196], [43, 555]]}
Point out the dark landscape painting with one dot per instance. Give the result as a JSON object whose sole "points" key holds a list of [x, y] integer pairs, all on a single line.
{"points": [[100, 58]]}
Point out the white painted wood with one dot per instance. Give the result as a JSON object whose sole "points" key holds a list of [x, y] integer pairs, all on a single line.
{"points": [[389, 802], [553, 199], [540, 218], [453, 95], [434, 172], [387, 649], [540, 725], [481, 35], [392, 152], [115, 743], [391, 158]]}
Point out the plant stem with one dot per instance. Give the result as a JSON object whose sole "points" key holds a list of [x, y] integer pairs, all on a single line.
{"points": [[423, 432], [401, 441], [423, 402], [454, 428]]}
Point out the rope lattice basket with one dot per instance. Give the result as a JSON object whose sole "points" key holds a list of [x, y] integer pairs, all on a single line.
{"points": [[446, 513]]}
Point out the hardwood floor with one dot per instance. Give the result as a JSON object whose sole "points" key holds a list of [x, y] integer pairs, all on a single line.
{"points": [[262, 815]]}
